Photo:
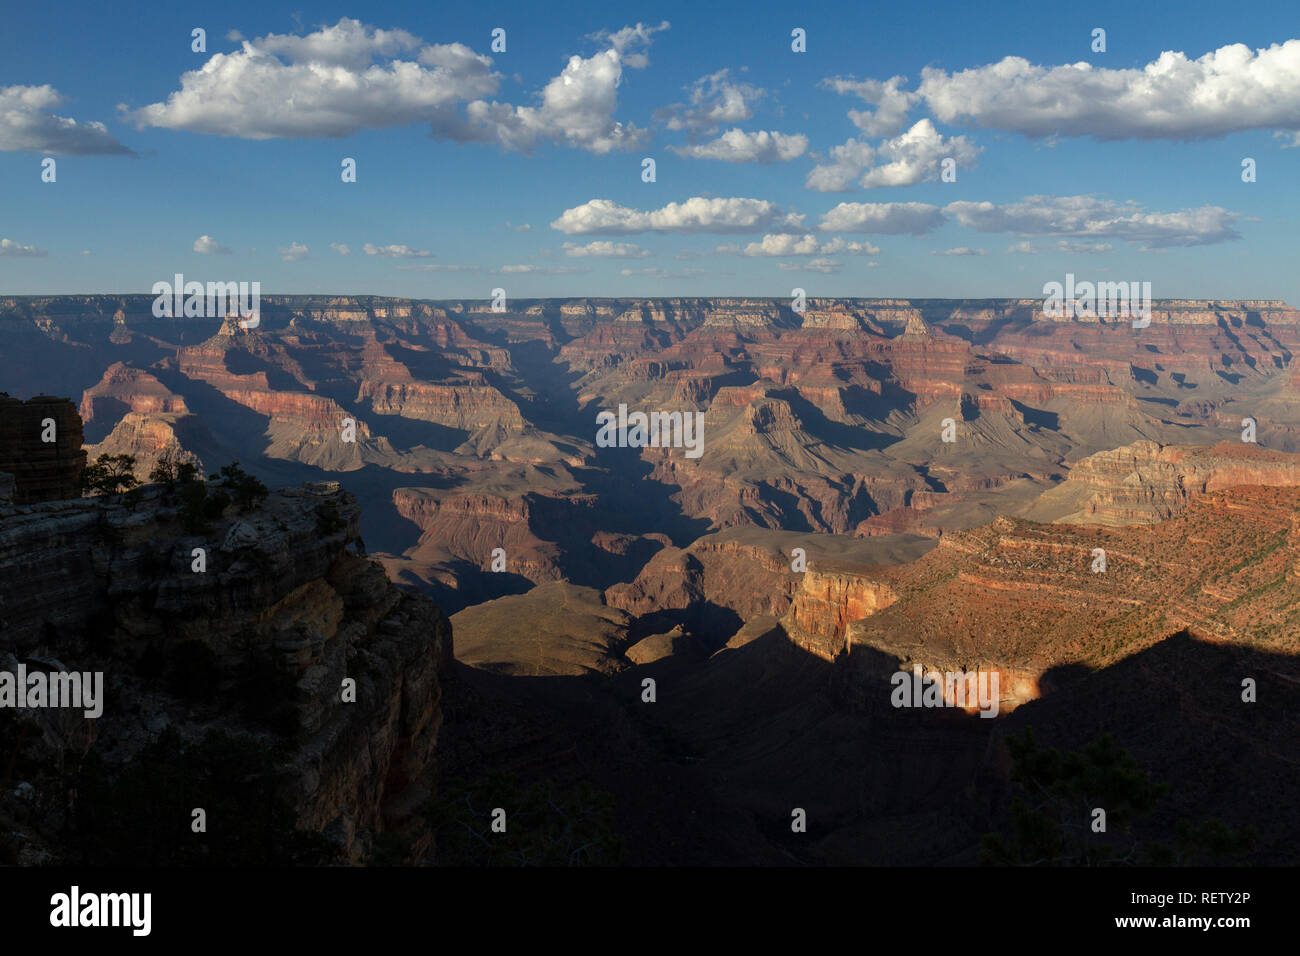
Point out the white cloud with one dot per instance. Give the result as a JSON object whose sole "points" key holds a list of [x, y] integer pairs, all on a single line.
{"points": [[526, 269], [1225, 91], [846, 164], [737, 146], [1083, 248], [348, 44], [715, 101], [658, 273], [207, 246], [1087, 217], [842, 246], [531, 269], [604, 249], [959, 251], [341, 248], [915, 156], [26, 123], [324, 84], [885, 218], [892, 104], [16, 250], [806, 245], [784, 245], [824, 266], [697, 214], [577, 107], [905, 160], [622, 41], [1062, 245], [396, 251], [293, 252]]}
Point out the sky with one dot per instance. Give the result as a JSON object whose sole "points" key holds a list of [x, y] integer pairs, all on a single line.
{"points": [[1115, 156]]}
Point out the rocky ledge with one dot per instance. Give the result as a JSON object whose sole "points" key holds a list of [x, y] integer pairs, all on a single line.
{"points": [[252, 623]]}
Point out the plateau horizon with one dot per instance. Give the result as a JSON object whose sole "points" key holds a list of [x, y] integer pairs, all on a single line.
{"points": [[167, 291]]}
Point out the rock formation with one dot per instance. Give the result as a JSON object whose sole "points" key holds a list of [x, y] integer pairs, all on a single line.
{"points": [[42, 470], [252, 622]]}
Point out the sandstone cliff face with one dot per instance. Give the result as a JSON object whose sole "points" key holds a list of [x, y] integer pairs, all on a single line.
{"points": [[1027, 600], [42, 471], [1147, 482], [286, 608], [829, 599]]}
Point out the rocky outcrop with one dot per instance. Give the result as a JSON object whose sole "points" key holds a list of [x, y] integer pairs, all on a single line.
{"points": [[1147, 482], [299, 640], [1032, 601], [42, 470], [829, 599]]}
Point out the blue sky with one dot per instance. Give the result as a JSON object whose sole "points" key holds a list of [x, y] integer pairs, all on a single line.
{"points": [[229, 169]]}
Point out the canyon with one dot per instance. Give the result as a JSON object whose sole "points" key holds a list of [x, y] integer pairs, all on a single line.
{"points": [[884, 483]]}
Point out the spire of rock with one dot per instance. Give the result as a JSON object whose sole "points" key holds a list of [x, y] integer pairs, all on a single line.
{"points": [[916, 325]]}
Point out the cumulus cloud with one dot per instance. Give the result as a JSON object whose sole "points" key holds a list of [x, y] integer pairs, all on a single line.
{"points": [[27, 123], [907, 159], [1089, 217], [889, 218], [892, 103], [1228, 90], [713, 101], [841, 246], [325, 84], [822, 265], [532, 269], [915, 156], [341, 248], [1062, 245], [806, 245], [348, 77], [657, 273], [960, 251], [577, 107], [697, 214], [348, 44], [604, 249], [524, 269], [396, 251], [845, 163], [783, 245], [207, 246], [293, 252], [737, 146], [17, 250]]}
